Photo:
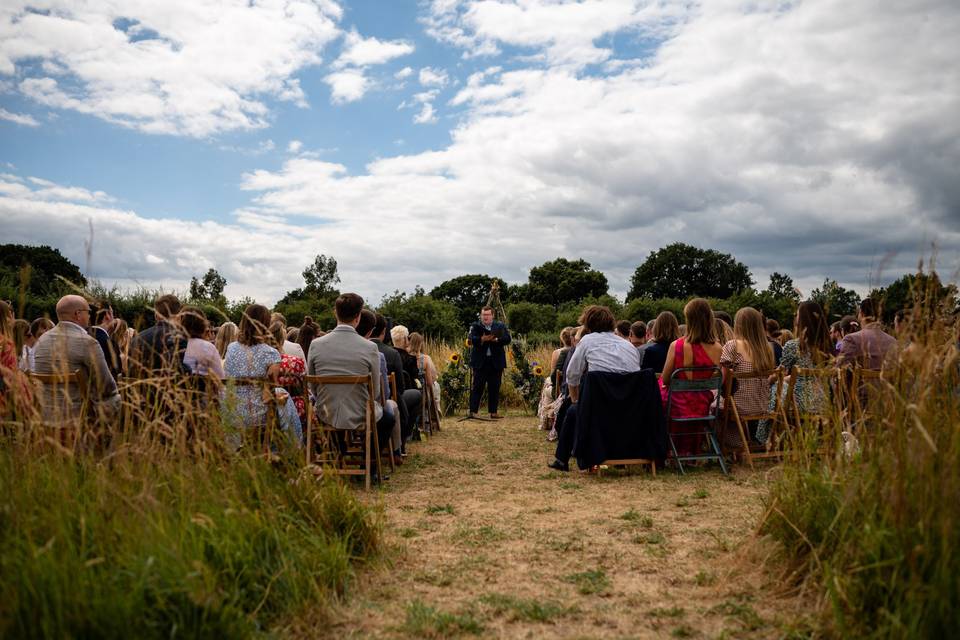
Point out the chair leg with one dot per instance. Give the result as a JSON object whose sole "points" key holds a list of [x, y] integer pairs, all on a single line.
{"points": [[743, 436], [676, 456], [379, 456]]}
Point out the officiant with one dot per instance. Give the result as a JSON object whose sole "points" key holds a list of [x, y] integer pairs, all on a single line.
{"points": [[487, 360]]}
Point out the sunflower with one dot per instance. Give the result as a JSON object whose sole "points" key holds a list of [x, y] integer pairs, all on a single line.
{"points": [[466, 342], [538, 371], [455, 358]]}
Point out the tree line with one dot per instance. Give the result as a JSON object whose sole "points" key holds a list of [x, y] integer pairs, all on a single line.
{"points": [[551, 298]]}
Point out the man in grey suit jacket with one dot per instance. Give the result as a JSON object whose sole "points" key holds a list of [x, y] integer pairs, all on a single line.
{"points": [[67, 348], [343, 352]]}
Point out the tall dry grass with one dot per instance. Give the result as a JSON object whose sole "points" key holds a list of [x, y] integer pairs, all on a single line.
{"points": [[148, 525], [874, 530]]}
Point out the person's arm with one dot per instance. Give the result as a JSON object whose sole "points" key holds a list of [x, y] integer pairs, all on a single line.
{"points": [[553, 359], [430, 371], [669, 365], [476, 335], [574, 391], [575, 371], [506, 336], [849, 352], [214, 364], [374, 366], [105, 384]]}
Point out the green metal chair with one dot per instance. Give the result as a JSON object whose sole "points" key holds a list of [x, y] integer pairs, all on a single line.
{"points": [[679, 384]]}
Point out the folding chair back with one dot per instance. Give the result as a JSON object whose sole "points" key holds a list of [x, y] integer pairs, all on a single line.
{"points": [[261, 436], [354, 457], [705, 380], [429, 416], [58, 392], [741, 419]]}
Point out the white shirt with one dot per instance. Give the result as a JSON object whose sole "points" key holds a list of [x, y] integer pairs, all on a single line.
{"points": [[27, 362], [293, 349], [202, 358], [602, 352]]}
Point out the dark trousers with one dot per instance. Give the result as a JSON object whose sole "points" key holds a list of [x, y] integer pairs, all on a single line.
{"points": [[567, 434], [486, 376], [410, 401]]}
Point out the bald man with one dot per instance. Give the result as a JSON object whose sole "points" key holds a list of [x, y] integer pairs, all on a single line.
{"points": [[67, 348]]}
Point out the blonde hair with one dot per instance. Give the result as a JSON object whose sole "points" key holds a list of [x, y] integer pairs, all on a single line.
{"points": [[566, 336], [748, 326], [784, 336], [399, 335], [226, 334], [416, 343], [699, 322]]}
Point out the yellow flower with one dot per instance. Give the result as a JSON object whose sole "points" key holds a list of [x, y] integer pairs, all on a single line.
{"points": [[538, 371], [466, 342], [454, 358]]}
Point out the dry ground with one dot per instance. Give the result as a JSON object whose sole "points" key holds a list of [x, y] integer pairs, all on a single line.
{"points": [[485, 541]]}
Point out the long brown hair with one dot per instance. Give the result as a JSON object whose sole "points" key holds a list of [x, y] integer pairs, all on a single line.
{"points": [[415, 344], [666, 329], [307, 333], [254, 325], [699, 317], [812, 332], [748, 326], [6, 321]]}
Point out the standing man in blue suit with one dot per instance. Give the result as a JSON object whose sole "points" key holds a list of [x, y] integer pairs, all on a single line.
{"points": [[488, 360]]}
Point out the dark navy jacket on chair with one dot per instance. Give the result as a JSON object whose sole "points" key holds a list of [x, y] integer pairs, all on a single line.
{"points": [[620, 415]]}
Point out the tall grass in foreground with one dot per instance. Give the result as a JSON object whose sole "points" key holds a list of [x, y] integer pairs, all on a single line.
{"points": [[877, 533], [150, 527]]}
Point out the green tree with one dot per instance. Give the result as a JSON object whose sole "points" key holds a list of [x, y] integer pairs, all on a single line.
{"points": [[437, 319], [683, 271], [321, 276], [467, 293], [916, 291], [43, 268], [781, 287], [561, 280], [529, 317], [210, 288], [835, 300]]}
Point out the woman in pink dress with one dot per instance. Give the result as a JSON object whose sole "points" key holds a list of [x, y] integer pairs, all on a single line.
{"points": [[699, 348]]}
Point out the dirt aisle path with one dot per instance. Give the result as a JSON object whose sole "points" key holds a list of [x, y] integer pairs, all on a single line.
{"points": [[486, 541]]}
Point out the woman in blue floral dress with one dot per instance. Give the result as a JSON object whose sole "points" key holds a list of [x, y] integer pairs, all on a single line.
{"points": [[251, 356], [811, 348]]}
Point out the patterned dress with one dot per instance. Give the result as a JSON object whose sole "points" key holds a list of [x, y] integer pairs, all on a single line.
{"points": [[292, 370], [246, 408], [752, 396], [808, 391]]}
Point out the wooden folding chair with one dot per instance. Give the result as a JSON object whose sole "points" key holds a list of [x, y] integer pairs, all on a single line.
{"points": [[352, 449], [66, 426], [740, 420], [261, 435], [429, 416], [832, 383], [680, 384]]}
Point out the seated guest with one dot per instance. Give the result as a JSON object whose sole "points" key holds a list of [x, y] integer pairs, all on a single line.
{"points": [[293, 334], [292, 370], [289, 347], [200, 356], [426, 370], [623, 329], [344, 352], [120, 336], [366, 326], [698, 348], [37, 328], [748, 352], [785, 336], [15, 397], [21, 338], [307, 333], [600, 349], [104, 323], [252, 356], [407, 394], [723, 331], [665, 331], [160, 348], [226, 334], [638, 334], [723, 315], [400, 337], [67, 348], [870, 347], [558, 359], [773, 332], [811, 348]]}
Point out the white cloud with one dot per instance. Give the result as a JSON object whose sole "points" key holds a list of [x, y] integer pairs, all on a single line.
{"points": [[361, 52], [19, 118], [347, 86], [430, 77], [294, 146], [186, 67], [803, 138], [403, 74], [426, 116]]}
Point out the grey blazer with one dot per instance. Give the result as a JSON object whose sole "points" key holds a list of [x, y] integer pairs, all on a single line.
{"points": [[343, 352], [64, 349]]}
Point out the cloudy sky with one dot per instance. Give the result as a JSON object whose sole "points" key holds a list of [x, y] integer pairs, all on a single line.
{"points": [[416, 141]]}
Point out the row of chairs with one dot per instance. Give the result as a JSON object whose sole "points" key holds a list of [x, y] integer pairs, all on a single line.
{"points": [[342, 453]]}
